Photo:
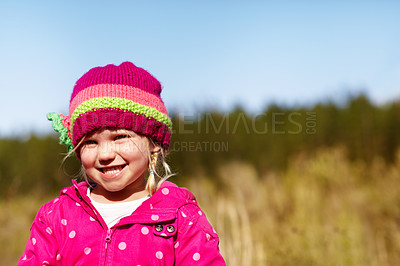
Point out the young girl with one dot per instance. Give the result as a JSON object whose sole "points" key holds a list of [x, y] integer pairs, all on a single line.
{"points": [[119, 128]]}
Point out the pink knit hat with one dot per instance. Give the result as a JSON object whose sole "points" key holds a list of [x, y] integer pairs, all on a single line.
{"points": [[124, 96]]}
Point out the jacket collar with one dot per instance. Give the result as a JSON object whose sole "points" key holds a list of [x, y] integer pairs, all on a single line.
{"points": [[160, 207]]}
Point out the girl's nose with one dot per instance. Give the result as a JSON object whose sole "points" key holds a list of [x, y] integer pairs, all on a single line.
{"points": [[106, 152]]}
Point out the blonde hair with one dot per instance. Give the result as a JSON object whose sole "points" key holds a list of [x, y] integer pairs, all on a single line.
{"points": [[159, 170]]}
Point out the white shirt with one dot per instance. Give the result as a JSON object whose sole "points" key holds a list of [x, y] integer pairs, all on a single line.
{"points": [[113, 212]]}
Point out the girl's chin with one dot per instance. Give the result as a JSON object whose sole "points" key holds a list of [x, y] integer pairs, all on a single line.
{"points": [[111, 192], [113, 185], [118, 185], [118, 192]]}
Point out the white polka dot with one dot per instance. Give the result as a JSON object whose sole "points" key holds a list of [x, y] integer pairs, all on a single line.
{"points": [[72, 234], [48, 230], [55, 200], [77, 204], [208, 237], [200, 213], [24, 258], [33, 241], [87, 250], [155, 217], [145, 230], [151, 206], [92, 219], [183, 214], [214, 231], [50, 211], [176, 245], [163, 234], [58, 257], [63, 221], [159, 255], [64, 190], [45, 263], [165, 191], [196, 256], [190, 223], [122, 245]]}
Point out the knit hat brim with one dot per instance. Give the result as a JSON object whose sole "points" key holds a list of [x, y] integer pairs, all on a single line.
{"points": [[121, 118]]}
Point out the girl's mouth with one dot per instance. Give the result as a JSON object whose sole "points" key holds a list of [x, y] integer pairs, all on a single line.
{"points": [[112, 170]]}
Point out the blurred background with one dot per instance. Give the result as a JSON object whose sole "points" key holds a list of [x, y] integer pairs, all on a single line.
{"points": [[286, 116]]}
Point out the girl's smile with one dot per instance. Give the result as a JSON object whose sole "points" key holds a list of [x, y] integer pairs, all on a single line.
{"points": [[112, 171], [117, 161]]}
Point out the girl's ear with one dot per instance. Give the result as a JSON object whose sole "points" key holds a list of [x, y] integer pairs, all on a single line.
{"points": [[155, 148]]}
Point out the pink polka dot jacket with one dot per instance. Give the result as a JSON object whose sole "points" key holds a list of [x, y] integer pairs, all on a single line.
{"points": [[167, 229]]}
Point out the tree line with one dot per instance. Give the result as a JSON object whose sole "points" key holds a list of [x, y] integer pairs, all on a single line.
{"points": [[204, 141]]}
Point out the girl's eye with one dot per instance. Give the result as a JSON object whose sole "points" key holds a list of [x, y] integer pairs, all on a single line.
{"points": [[121, 137], [88, 142]]}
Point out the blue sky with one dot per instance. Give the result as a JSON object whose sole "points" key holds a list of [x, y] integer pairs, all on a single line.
{"points": [[206, 53]]}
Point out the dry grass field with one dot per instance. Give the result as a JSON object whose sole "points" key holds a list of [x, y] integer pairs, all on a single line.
{"points": [[324, 210]]}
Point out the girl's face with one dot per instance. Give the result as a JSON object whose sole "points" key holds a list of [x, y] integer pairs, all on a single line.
{"points": [[116, 159]]}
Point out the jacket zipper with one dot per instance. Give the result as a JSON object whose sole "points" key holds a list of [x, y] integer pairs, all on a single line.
{"points": [[109, 231], [108, 241]]}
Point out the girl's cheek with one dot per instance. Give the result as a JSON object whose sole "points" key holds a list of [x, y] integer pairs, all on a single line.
{"points": [[87, 157], [130, 147], [124, 147]]}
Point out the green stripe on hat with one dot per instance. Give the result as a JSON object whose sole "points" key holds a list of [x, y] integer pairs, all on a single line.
{"points": [[119, 103]]}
